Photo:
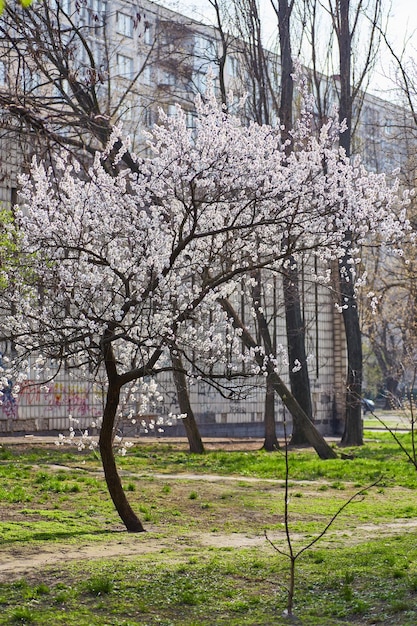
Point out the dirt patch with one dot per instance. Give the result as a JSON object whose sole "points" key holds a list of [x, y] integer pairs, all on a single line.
{"points": [[210, 478], [15, 563], [18, 562]]}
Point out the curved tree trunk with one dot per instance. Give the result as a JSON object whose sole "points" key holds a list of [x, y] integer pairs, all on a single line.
{"points": [[114, 484], [312, 435], [191, 428]]}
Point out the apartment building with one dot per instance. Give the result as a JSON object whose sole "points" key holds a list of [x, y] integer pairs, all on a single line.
{"points": [[119, 63]]}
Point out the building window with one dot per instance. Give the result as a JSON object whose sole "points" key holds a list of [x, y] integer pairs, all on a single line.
{"points": [[232, 66], [204, 54], [124, 24], [199, 81], [124, 66], [13, 196], [148, 34], [29, 79], [167, 78], [3, 73], [149, 118], [93, 12], [190, 119], [147, 75], [65, 6], [389, 127], [204, 49]]}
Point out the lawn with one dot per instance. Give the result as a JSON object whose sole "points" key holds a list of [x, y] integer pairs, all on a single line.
{"points": [[204, 560]]}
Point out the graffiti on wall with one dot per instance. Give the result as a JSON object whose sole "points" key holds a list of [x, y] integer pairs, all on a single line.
{"points": [[59, 400]]}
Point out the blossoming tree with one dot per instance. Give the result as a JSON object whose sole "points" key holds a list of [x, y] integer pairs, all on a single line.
{"points": [[124, 268]]}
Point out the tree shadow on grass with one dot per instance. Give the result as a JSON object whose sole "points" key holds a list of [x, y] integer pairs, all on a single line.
{"points": [[68, 535]]}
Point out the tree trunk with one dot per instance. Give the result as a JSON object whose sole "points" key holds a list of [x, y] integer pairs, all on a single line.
{"points": [[299, 377], [391, 397], [287, 70], [114, 485], [271, 442], [353, 431], [190, 424]]}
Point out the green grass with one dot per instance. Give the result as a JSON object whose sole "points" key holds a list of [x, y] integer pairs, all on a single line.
{"points": [[194, 567]]}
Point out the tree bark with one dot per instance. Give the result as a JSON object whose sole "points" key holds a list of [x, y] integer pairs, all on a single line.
{"points": [[287, 69], [313, 437], [391, 398], [299, 377], [345, 51], [191, 428], [353, 431], [114, 484]]}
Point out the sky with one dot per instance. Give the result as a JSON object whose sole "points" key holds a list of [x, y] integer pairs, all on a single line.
{"points": [[400, 19]]}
